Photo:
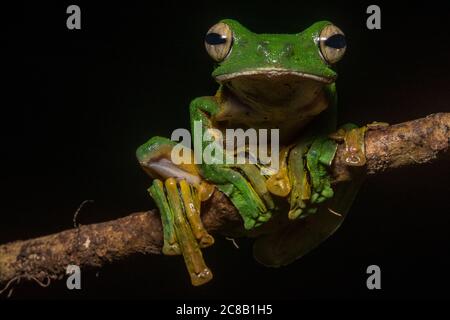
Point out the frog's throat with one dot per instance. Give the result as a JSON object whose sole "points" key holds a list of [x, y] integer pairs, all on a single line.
{"points": [[271, 73]]}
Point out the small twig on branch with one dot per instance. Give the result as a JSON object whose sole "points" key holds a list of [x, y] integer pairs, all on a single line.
{"points": [[46, 258]]}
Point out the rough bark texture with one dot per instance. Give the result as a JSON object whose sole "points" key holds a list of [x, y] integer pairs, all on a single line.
{"points": [[45, 258]]}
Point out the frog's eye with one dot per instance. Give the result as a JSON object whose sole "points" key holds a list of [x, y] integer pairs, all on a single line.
{"points": [[332, 43], [218, 41]]}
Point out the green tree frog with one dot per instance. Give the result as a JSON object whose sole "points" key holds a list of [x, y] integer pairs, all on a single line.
{"points": [[267, 81]]}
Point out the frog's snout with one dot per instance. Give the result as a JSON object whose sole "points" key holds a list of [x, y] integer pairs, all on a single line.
{"points": [[274, 53]]}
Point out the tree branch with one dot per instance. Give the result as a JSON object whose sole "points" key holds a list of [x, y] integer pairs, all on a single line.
{"points": [[46, 258]]}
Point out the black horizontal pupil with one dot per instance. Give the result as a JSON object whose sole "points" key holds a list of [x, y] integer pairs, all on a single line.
{"points": [[215, 38], [336, 41]]}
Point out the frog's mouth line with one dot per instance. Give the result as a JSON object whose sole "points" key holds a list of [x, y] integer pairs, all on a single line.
{"points": [[272, 73]]}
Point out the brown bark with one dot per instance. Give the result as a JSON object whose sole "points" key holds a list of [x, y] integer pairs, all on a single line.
{"points": [[46, 258]]}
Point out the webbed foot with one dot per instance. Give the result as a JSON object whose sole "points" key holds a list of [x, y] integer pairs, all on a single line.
{"points": [[308, 171], [179, 206], [248, 193]]}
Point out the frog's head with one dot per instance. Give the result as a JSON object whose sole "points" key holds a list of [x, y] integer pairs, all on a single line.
{"points": [[270, 69]]}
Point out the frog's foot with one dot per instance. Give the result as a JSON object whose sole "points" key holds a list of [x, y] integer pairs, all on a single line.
{"points": [[318, 160], [246, 188], [311, 182], [180, 207], [178, 200], [353, 138]]}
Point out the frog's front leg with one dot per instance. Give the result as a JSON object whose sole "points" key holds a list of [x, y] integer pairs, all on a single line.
{"points": [[243, 184], [178, 200]]}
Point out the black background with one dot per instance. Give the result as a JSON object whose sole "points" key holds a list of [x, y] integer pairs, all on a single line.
{"points": [[78, 103]]}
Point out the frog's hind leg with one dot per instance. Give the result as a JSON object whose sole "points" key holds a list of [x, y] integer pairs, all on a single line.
{"points": [[178, 235], [178, 199], [308, 170]]}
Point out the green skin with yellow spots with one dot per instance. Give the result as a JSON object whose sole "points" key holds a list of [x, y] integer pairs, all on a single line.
{"points": [[268, 81]]}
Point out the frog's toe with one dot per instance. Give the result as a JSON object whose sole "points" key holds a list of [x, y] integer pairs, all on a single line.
{"points": [[294, 213], [171, 249], [314, 197], [206, 240], [321, 199], [327, 193], [257, 220], [249, 223], [265, 216]]}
